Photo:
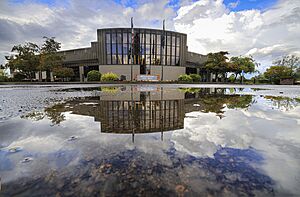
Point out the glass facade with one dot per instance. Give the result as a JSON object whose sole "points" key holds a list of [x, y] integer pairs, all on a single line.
{"points": [[149, 47]]}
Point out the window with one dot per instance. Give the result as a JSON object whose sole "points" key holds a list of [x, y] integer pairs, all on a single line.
{"points": [[107, 38], [113, 38], [173, 60], [114, 59], [147, 38], [125, 37], [168, 60], [158, 39], [177, 41], [151, 47], [173, 51], [114, 49], [168, 40], [108, 50], [173, 40], [148, 49], [119, 38], [168, 50], [125, 59], [125, 49], [108, 59]]}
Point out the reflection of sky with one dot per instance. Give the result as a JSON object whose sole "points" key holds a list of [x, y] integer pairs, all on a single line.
{"points": [[261, 130], [274, 133]]}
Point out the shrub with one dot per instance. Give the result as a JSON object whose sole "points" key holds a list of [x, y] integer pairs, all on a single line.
{"points": [[185, 78], [3, 78], [19, 77], [109, 77], [195, 77], [231, 78], [94, 75]]}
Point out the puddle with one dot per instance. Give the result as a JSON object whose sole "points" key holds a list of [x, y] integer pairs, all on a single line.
{"points": [[155, 141]]}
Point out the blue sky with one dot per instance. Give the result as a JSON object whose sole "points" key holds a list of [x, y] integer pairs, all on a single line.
{"points": [[241, 4], [265, 29], [251, 4]]}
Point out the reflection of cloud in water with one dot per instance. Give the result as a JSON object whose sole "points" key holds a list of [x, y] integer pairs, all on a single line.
{"points": [[255, 139], [205, 133], [274, 134]]}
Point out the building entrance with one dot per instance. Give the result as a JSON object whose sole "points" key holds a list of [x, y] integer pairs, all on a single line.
{"points": [[145, 69]]}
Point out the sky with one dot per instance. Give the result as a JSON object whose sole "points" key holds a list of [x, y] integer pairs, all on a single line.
{"points": [[265, 29]]}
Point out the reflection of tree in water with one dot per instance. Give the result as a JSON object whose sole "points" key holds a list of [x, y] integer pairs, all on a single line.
{"points": [[34, 115], [53, 113], [286, 103], [218, 103], [215, 100]]}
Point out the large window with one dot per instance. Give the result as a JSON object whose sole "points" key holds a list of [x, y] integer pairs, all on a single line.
{"points": [[149, 47]]}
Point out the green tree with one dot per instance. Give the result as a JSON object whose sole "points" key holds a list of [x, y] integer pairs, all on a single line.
{"points": [[63, 72], [240, 64], [275, 73], [25, 59], [290, 61], [49, 58], [218, 63], [94, 75]]}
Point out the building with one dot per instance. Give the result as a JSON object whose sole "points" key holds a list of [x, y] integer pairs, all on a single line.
{"points": [[136, 54]]}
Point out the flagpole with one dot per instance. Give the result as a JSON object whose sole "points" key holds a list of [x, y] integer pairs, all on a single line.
{"points": [[131, 52], [163, 47]]}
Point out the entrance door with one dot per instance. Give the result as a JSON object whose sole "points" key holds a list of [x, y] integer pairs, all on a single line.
{"points": [[145, 70]]}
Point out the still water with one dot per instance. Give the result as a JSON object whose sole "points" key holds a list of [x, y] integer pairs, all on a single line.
{"points": [[154, 141]]}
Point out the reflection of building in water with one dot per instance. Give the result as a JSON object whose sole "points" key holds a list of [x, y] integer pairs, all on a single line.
{"points": [[141, 112]]}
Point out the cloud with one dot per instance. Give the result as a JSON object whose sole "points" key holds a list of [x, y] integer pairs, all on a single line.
{"points": [[234, 4], [265, 34], [204, 134], [75, 24]]}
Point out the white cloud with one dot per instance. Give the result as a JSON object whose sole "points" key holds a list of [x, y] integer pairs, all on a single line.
{"points": [[234, 4], [73, 25], [279, 142], [264, 34]]}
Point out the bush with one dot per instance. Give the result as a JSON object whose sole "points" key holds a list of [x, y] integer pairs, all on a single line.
{"points": [[195, 77], [185, 78], [3, 78], [231, 78], [19, 77], [94, 75], [109, 77]]}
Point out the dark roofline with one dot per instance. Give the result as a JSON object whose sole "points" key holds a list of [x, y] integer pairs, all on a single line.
{"points": [[77, 49], [128, 28]]}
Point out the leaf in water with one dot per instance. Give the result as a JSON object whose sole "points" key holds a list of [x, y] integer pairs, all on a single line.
{"points": [[72, 138], [27, 159]]}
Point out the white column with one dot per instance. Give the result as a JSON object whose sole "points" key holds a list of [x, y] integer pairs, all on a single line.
{"points": [[81, 73]]}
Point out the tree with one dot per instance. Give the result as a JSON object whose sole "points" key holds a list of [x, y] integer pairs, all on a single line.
{"points": [[49, 58], [94, 75], [218, 63], [239, 64], [63, 72], [25, 59], [290, 61], [275, 73]]}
